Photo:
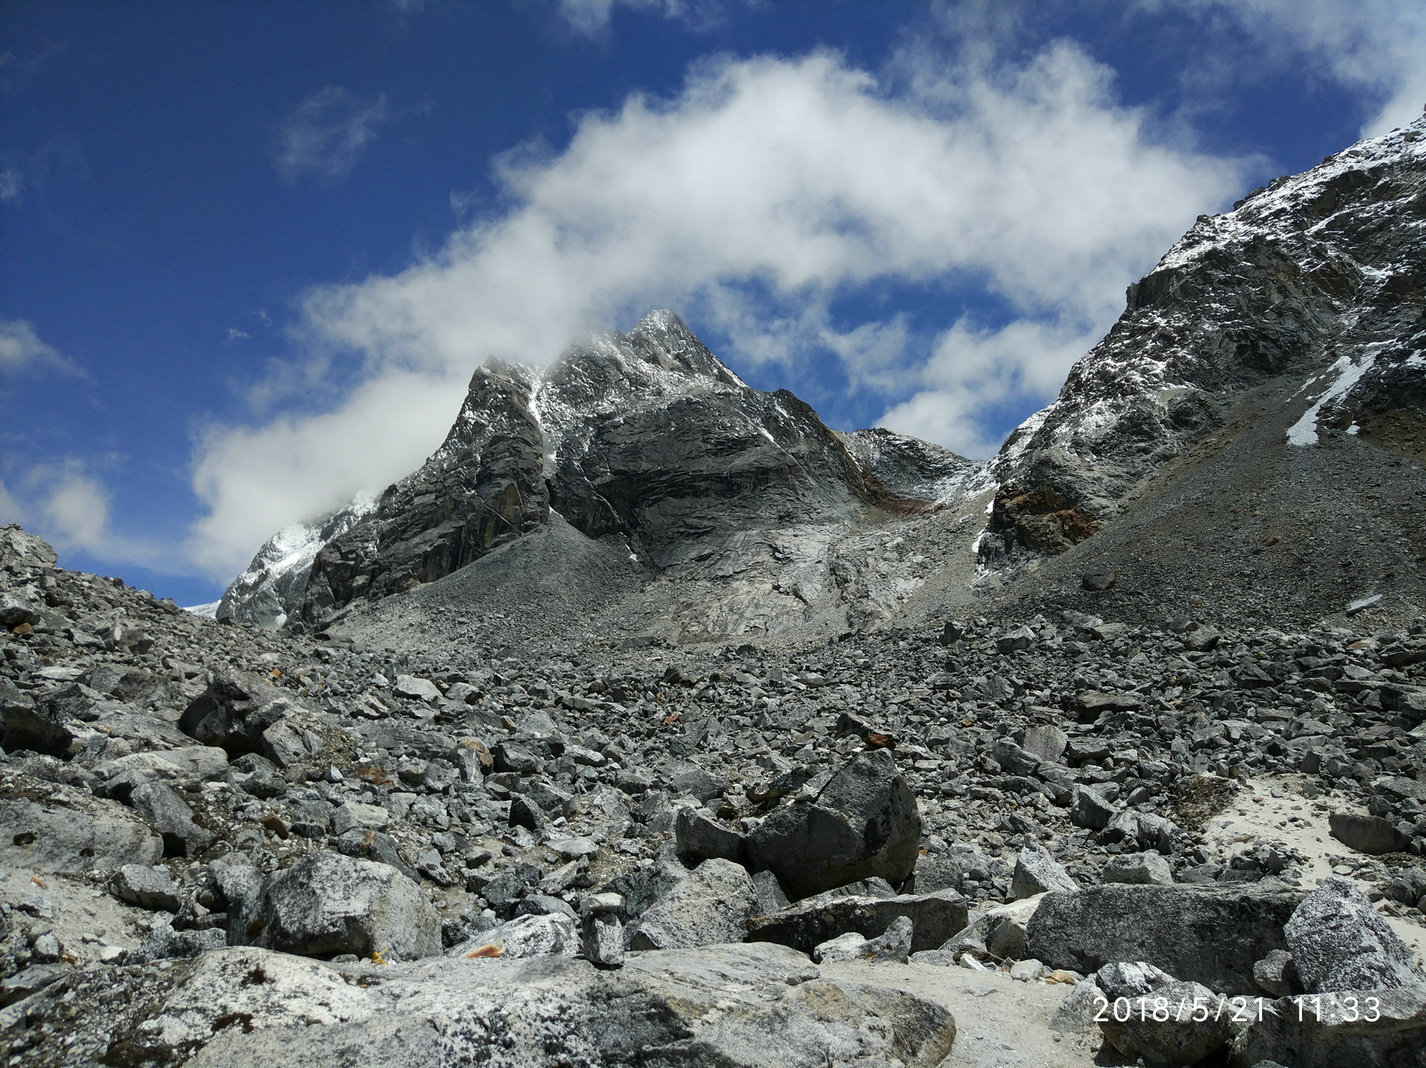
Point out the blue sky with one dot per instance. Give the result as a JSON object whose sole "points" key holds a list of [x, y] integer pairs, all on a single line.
{"points": [[251, 250]]}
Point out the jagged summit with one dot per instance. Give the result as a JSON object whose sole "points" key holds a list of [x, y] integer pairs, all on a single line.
{"points": [[646, 438]]}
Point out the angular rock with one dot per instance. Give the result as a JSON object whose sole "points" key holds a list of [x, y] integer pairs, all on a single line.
{"points": [[1091, 704], [1037, 872], [1276, 975], [808, 923], [1089, 809], [698, 836], [865, 822], [710, 905], [1367, 834], [233, 712], [893, 946], [416, 689], [1139, 868], [1045, 741], [602, 941], [327, 904], [1339, 942], [286, 744], [172, 817], [548, 934], [1204, 934], [146, 887]]}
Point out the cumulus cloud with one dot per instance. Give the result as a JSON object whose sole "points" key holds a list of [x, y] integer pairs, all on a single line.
{"points": [[69, 506], [757, 200], [975, 372], [1373, 47], [325, 135], [23, 352]]}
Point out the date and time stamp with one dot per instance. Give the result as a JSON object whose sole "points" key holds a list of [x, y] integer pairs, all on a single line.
{"points": [[1236, 1010]]}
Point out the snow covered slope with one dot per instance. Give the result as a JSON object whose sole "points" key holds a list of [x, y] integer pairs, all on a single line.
{"points": [[273, 585]]}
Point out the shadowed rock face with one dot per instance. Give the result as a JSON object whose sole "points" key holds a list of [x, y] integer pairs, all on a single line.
{"points": [[482, 487], [644, 436]]}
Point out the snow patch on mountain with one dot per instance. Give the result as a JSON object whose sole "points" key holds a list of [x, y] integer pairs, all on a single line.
{"points": [[273, 584]]}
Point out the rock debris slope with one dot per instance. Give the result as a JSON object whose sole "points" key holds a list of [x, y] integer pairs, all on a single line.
{"points": [[1257, 416], [523, 789]]}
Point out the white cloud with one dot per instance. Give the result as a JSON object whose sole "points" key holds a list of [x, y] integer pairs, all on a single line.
{"points": [[11, 185], [254, 481], [975, 371], [1373, 47], [327, 133], [22, 351], [69, 506], [234, 334], [756, 200], [591, 17]]}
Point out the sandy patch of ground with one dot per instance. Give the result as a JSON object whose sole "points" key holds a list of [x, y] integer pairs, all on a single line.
{"points": [[1274, 809], [1000, 1022]]}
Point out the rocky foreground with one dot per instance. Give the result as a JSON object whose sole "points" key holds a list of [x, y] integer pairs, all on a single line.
{"points": [[1046, 841]]}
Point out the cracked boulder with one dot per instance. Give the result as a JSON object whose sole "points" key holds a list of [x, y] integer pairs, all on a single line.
{"points": [[864, 823]]}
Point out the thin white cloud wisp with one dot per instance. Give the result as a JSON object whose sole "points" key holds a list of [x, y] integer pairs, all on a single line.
{"points": [[326, 134], [24, 352]]}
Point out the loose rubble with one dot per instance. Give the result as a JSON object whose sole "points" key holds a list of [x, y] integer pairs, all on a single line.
{"points": [[615, 808]]}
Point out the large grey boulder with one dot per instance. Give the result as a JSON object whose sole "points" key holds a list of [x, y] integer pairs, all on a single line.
{"points": [[1367, 834], [74, 833], [712, 1007], [864, 823], [525, 936], [172, 817], [1037, 872], [1203, 934], [1338, 942], [711, 905], [698, 836], [328, 904], [807, 924], [1364, 1029]]}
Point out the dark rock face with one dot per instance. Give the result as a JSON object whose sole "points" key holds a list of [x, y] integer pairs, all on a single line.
{"points": [[865, 823], [482, 487], [1208, 935], [645, 436]]}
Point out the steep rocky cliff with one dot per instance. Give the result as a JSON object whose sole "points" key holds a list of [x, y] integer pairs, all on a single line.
{"points": [[645, 438], [1303, 304]]}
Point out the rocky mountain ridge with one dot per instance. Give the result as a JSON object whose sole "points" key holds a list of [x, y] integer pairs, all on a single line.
{"points": [[1306, 302], [647, 442], [1276, 355]]}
